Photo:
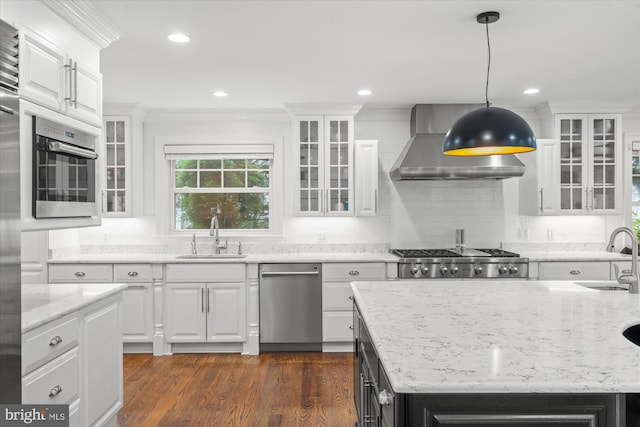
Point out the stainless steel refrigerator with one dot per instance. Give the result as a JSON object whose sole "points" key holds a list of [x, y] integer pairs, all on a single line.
{"points": [[10, 306]]}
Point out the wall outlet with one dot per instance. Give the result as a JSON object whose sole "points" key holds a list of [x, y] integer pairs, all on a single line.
{"points": [[549, 233], [321, 236]]}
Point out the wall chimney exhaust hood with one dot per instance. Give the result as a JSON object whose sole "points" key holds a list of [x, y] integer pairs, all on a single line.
{"points": [[422, 157]]}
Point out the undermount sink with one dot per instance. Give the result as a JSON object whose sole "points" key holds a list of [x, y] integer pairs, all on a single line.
{"points": [[632, 333], [211, 256], [603, 285]]}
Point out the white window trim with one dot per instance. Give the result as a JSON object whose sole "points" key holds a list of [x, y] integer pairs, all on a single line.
{"points": [[180, 145]]}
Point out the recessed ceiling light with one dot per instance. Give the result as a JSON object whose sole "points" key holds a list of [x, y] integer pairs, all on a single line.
{"points": [[220, 93], [178, 38], [364, 92], [531, 91]]}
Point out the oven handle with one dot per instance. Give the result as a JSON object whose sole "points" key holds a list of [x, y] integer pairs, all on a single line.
{"points": [[61, 147]]}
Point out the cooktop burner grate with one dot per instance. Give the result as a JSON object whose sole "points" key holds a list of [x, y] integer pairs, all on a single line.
{"points": [[425, 253]]}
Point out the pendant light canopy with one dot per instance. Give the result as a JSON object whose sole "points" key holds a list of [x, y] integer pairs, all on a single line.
{"points": [[489, 130]]}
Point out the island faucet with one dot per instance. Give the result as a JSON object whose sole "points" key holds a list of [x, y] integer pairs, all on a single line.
{"points": [[632, 278], [214, 230]]}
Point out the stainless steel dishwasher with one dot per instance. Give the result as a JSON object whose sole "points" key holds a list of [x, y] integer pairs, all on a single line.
{"points": [[290, 307]]}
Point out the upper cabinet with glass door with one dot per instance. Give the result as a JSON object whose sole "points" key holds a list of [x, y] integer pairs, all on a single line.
{"points": [[325, 153], [117, 142], [590, 163]]}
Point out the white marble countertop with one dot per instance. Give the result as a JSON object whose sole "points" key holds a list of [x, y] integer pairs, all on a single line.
{"points": [[249, 259], [44, 303], [576, 256], [502, 337]]}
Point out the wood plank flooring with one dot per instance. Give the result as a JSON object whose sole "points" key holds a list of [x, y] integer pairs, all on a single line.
{"points": [[273, 390]]}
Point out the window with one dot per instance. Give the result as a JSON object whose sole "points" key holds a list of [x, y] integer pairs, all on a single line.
{"points": [[239, 184]]}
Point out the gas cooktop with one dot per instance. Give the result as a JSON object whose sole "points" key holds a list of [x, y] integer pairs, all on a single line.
{"points": [[450, 253], [460, 264]]}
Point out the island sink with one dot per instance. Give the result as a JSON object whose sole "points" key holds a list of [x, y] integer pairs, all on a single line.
{"points": [[632, 333], [211, 256]]}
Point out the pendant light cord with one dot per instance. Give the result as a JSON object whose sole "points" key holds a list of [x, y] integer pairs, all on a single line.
{"points": [[486, 88]]}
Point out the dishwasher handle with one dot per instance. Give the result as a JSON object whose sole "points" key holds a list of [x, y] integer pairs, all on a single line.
{"points": [[289, 273]]}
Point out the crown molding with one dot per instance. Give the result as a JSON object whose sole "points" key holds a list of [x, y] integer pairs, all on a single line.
{"points": [[84, 16], [322, 109], [587, 107], [169, 115]]}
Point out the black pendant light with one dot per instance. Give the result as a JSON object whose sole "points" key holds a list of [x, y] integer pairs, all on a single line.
{"points": [[489, 130]]}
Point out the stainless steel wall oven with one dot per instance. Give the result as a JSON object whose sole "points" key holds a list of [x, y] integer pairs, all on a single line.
{"points": [[64, 171]]}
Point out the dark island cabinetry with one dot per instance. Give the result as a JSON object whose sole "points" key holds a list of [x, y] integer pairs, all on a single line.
{"points": [[378, 405]]}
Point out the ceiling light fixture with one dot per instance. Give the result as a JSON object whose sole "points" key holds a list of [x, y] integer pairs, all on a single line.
{"points": [[364, 92], [489, 130], [179, 38], [531, 91], [220, 94]]}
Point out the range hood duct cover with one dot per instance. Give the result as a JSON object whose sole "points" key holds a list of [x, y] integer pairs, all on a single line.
{"points": [[422, 157]]}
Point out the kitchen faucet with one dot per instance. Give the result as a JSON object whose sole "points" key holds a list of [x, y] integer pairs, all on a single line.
{"points": [[628, 279], [214, 231]]}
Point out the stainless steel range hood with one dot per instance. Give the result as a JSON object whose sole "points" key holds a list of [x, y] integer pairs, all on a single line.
{"points": [[422, 158]]}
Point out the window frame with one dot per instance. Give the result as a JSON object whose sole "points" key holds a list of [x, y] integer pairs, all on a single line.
{"points": [[210, 148]]}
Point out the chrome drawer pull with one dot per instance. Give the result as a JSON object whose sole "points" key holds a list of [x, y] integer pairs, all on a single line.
{"points": [[354, 273], [79, 274], [55, 341], [626, 271], [575, 272], [351, 297], [55, 391], [132, 274]]}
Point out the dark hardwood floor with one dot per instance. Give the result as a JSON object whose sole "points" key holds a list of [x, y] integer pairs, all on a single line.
{"points": [[273, 389]]}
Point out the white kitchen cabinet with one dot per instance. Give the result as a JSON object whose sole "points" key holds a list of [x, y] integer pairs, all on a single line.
{"points": [[137, 301], [325, 165], [116, 194], [366, 177], [50, 77], [102, 364], [337, 300], [539, 186], [80, 273], [205, 303], [76, 360], [590, 163], [573, 270]]}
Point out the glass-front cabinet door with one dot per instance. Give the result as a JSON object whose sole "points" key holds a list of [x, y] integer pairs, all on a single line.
{"points": [[590, 168], [325, 148], [116, 194]]}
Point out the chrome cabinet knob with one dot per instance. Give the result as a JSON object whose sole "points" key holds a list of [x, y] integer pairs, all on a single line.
{"points": [[513, 269], [79, 274], [502, 269], [55, 341], [478, 269], [443, 270]]}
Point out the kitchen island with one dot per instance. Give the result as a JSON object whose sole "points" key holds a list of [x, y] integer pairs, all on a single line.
{"points": [[462, 353]]}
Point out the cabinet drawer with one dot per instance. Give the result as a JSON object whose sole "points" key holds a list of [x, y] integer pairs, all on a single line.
{"points": [[598, 270], [206, 273], [337, 326], [54, 383], [132, 273], [348, 272], [49, 341], [337, 296], [90, 273]]}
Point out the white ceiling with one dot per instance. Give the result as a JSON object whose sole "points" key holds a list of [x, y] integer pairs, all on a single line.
{"points": [[268, 53]]}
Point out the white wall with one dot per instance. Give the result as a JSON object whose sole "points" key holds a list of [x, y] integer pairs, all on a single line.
{"points": [[412, 214]]}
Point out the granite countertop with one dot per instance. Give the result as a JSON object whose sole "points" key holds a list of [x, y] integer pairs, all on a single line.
{"points": [[44, 303], [502, 337], [248, 259]]}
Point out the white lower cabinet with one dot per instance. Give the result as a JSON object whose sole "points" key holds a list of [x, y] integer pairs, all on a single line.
{"points": [[337, 300], [578, 270], [77, 360], [102, 364], [207, 305], [137, 301]]}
